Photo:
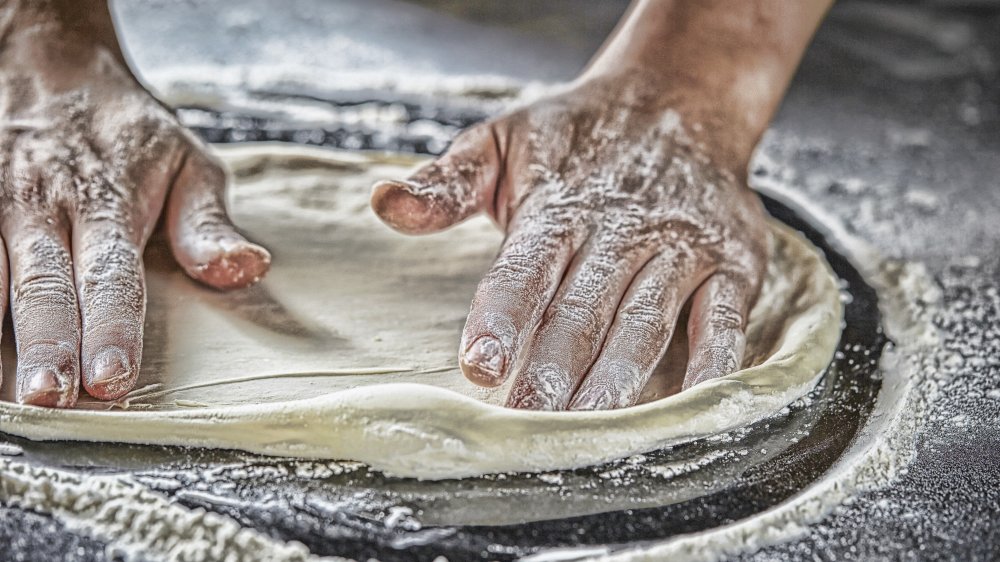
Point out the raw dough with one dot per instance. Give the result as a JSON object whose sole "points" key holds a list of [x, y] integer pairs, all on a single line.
{"points": [[348, 349]]}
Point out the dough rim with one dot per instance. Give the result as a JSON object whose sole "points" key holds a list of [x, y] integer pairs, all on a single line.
{"points": [[454, 436]]}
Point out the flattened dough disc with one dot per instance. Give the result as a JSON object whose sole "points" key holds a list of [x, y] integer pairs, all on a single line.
{"points": [[348, 349]]}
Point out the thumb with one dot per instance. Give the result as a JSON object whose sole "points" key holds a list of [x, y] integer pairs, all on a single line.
{"points": [[446, 191], [204, 241]]}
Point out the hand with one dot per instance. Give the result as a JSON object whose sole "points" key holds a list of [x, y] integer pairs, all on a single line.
{"points": [[88, 161], [618, 208]]}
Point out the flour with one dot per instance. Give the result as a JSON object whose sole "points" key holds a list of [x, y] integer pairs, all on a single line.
{"points": [[10, 450], [137, 523]]}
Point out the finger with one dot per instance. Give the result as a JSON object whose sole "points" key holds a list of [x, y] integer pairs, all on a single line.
{"points": [[203, 238], [642, 330], [46, 315], [111, 289], [573, 328], [4, 291], [446, 191], [716, 327], [513, 296]]}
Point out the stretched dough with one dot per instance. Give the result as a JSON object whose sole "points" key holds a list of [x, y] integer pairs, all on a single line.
{"points": [[348, 349]]}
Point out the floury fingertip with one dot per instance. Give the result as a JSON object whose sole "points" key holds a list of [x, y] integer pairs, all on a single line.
{"points": [[110, 374], [42, 389], [484, 362]]}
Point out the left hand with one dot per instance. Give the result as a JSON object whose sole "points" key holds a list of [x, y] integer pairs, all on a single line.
{"points": [[617, 210]]}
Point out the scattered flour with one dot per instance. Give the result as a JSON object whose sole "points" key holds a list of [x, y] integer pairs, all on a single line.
{"points": [[10, 450], [136, 523]]}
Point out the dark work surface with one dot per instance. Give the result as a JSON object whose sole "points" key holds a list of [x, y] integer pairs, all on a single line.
{"points": [[893, 125], [299, 508]]}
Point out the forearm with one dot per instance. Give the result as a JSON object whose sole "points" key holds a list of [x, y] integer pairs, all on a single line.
{"points": [[724, 63]]}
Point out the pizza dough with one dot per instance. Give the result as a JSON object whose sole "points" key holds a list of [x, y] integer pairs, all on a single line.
{"points": [[348, 349]]}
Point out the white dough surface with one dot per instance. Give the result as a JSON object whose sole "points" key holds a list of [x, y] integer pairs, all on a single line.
{"points": [[348, 349]]}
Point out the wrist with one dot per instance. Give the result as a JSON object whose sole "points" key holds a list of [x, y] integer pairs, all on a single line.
{"points": [[60, 48], [723, 65], [84, 25], [720, 129]]}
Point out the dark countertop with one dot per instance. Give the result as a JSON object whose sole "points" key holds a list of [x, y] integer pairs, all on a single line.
{"points": [[892, 125]]}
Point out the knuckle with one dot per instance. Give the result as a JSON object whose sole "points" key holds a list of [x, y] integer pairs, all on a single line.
{"points": [[596, 276], [645, 320], [112, 292], [44, 288], [59, 350], [204, 182], [623, 379], [125, 334], [112, 265], [540, 225], [147, 127], [740, 281], [45, 279], [60, 353], [725, 316], [101, 200], [574, 316], [25, 190], [516, 272], [203, 175], [208, 211], [624, 371], [749, 252]]}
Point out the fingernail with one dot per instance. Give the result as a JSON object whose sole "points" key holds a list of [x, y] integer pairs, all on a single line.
{"points": [[484, 361], [42, 389], [109, 369], [592, 399], [239, 264], [405, 185], [533, 401], [236, 245], [397, 187], [545, 387], [404, 206]]}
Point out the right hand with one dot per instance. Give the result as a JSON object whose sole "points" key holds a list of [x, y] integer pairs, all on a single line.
{"points": [[88, 161]]}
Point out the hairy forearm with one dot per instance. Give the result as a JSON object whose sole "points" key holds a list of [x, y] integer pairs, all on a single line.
{"points": [[726, 63]]}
